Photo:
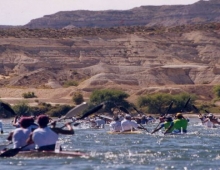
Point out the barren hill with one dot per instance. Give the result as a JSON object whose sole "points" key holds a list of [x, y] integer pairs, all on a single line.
{"points": [[201, 12], [152, 49], [138, 60]]}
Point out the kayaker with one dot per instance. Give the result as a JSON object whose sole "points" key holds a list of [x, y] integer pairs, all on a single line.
{"points": [[165, 125], [44, 137], [15, 121], [115, 125], [178, 125], [210, 118], [100, 122], [144, 120], [127, 124], [21, 134]]}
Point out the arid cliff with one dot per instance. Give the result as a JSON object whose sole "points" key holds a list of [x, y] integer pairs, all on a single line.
{"points": [[200, 12], [174, 49]]}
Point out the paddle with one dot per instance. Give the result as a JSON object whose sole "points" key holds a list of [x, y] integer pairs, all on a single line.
{"points": [[4, 146], [169, 108], [13, 152], [77, 109], [90, 112], [207, 111], [75, 124], [7, 107], [195, 108], [106, 117], [126, 111], [185, 105]]}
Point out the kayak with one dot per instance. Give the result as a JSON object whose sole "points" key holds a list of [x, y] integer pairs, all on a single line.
{"points": [[35, 154], [125, 132]]}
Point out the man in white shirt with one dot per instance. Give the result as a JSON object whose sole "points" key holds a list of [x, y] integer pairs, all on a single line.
{"points": [[21, 134], [127, 124], [100, 123], [45, 138], [115, 125]]}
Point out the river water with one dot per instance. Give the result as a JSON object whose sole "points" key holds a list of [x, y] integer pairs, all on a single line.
{"points": [[199, 149]]}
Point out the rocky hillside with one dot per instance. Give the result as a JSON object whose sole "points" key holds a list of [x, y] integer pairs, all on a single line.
{"points": [[201, 12], [138, 60], [152, 49]]}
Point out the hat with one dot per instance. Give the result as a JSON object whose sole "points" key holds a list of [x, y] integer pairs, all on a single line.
{"points": [[127, 116], [179, 115], [169, 119], [25, 122], [210, 114], [43, 120]]}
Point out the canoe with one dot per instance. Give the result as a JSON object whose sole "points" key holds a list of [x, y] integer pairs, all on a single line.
{"points": [[34, 154], [126, 132]]}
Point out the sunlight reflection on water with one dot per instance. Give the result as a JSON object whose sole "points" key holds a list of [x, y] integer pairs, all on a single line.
{"points": [[199, 149]]}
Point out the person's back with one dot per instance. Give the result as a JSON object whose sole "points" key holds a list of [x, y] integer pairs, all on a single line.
{"points": [[44, 137], [20, 135], [115, 125], [100, 123], [180, 124], [127, 124]]}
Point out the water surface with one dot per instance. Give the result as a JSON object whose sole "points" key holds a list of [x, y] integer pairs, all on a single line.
{"points": [[199, 149]]}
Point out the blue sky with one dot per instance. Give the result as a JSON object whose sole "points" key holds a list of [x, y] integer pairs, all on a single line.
{"points": [[20, 12]]}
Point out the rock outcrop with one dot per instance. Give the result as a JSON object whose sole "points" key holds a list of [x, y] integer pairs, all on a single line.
{"points": [[167, 15]]}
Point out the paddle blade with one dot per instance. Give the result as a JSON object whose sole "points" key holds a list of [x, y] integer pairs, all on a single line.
{"points": [[169, 108], [7, 107], [136, 110], [79, 108], [124, 110], [90, 112], [207, 111], [106, 117], [10, 152], [187, 102], [195, 108], [185, 105]]}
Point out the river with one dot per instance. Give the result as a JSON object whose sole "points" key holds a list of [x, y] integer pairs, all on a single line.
{"points": [[199, 149]]}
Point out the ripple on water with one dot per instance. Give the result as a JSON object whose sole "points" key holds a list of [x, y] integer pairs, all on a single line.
{"points": [[199, 149]]}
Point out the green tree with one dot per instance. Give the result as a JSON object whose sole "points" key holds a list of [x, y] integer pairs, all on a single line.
{"points": [[114, 98], [158, 103], [216, 90], [78, 98], [22, 109], [58, 110]]}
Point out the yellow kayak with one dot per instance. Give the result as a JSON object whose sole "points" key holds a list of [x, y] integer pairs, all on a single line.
{"points": [[126, 132]]}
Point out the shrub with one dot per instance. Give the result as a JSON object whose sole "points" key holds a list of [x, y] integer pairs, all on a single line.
{"points": [[29, 95], [22, 109], [158, 103], [70, 83], [216, 90], [78, 98]]}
